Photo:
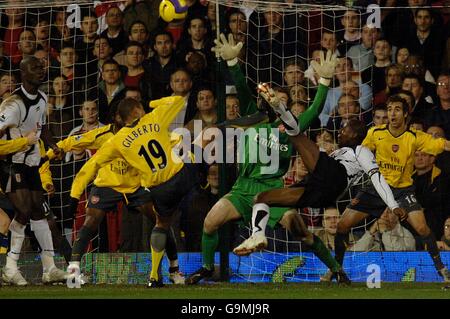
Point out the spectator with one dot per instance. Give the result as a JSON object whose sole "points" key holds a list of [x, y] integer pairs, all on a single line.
{"points": [[352, 33], [42, 31], [89, 114], [237, 25], [440, 113], [376, 74], [421, 106], [139, 10], [297, 93], [85, 44], [444, 243], [102, 52], [347, 108], [417, 124], [293, 72], [197, 66], [432, 189], [362, 54], [386, 234], [206, 110], [67, 67], [343, 74], [426, 41], [402, 56], [232, 107], [61, 117], [328, 42], [414, 65], [380, 116], [197, 37], [15, 26], [394, 81], [8, 84], [116, 35], [443, 159], [330, 219], [279, 39], [26, 46], [181, 84], [137, 32], [135, 75], [111, 90], [408, 97], [162, 64]]}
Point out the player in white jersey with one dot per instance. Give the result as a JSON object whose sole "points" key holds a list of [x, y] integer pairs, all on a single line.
{"points": [[330, 176], [24, 111]]}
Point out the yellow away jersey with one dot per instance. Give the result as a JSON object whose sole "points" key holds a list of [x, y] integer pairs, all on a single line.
{"points": [[13, 146], [44, 169], [90, 140], [146, 145], [395, 155], [116, 175]]}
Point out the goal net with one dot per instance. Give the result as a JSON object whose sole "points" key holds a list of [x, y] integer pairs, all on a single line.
{"points": [[280, 41], [61, 34]]}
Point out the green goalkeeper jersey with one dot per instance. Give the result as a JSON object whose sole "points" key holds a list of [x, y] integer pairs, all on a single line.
{"points": [[253, 165]]}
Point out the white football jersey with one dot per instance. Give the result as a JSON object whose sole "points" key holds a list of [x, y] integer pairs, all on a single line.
{"points": [[356, 162], [359, 161], [19, 114]]}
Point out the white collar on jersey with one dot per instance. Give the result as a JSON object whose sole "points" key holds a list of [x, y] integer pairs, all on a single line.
{"points": [[28, 95]]}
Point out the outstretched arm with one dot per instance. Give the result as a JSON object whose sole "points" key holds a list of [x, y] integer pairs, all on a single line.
{"points": [[93, 140], [229, 51], [367, 161]]}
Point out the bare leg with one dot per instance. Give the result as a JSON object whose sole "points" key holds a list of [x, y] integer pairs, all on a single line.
{"points": [[284, 197], [307, 149]]}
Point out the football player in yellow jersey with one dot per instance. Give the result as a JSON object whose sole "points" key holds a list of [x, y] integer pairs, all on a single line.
{"points": [[394, 146], [113, 183], [8, 147], [144, 142]]}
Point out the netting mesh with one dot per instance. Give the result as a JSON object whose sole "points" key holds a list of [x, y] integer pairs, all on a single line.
{"points": [[61, 34], [280, 42]]}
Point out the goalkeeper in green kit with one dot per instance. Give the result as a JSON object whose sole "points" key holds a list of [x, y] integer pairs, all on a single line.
{"points": [[253, 177]]}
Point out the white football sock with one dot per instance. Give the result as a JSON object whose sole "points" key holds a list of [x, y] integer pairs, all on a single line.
{"points": [[44, 237], [17, 237], [260, 217]]}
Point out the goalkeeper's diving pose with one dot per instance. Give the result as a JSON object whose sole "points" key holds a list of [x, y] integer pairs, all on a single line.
{"points": [[237, 204]]}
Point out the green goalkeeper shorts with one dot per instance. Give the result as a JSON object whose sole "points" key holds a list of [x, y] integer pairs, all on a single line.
{"points": [[243, 193]]}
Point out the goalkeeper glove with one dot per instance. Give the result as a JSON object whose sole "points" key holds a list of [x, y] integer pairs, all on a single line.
{"points": [[326, 68], [227, 50]]}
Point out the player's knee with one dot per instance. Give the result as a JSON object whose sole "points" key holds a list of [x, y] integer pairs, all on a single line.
{"points": [[4, 224], [260, 198], [209, 225], [343, 228], [423, 230]]}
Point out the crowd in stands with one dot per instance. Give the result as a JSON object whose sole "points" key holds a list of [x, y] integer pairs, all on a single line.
{"points": [[124, 49]]}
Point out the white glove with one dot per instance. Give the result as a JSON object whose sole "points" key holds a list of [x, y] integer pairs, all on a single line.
{"points": [[326, 68], [269, 95], [227, 50]]}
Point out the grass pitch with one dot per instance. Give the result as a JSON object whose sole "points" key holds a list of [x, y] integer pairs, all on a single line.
{"points": [[232, 291]]}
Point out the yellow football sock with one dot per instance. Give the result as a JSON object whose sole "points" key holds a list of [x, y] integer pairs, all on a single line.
{"points": [[156, 261]]}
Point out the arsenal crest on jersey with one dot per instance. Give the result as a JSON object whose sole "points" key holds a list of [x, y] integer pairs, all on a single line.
{"points": [[395, 148]]}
